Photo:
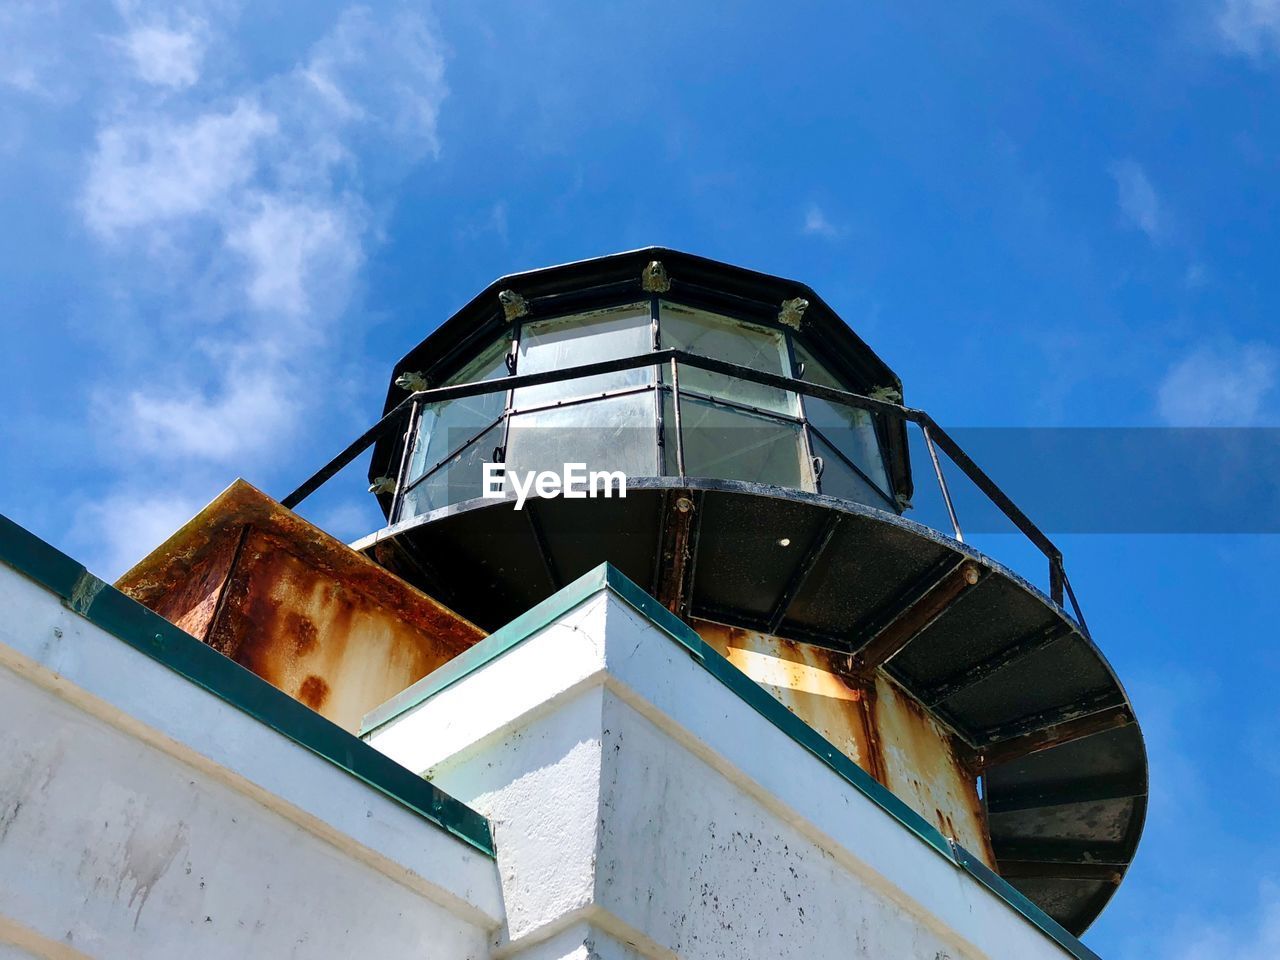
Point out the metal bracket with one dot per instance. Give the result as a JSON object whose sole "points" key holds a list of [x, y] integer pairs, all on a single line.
{"points": [[383, 485], [792, 312], [887, 394], [514, 306], [654, 278], [412, 381]]}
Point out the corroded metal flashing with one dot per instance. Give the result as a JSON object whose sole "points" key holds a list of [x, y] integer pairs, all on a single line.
{"points": [[655, 279], [607, 577], [791, 313], [514, 306], [153, 635], [873, 721], [300, 609]]}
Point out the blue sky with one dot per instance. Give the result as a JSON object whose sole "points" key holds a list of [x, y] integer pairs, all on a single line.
{"points": [[220, 223]]}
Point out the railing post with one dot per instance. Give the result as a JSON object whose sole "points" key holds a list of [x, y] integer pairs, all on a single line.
{"points": [[675, 404], [942, 482], [406, 454], [1056, 578]]}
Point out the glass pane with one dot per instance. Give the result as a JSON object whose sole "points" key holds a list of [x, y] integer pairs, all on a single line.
{"points": [[838, 479], [851, 429], [723, 443], [444, 427], [721, 338], [616, 433], [584, 338], [460, 478]]}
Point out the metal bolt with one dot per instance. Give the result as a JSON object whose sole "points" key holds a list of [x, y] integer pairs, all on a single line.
{"points": [[684, 505]]}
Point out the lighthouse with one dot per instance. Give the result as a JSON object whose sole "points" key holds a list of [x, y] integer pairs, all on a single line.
{"points": [[653, 656]]}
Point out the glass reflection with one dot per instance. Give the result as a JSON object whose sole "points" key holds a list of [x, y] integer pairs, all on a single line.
{"points": [[726, 443], [748, 345], [614, 433], [851, 430], [458, 478], [583, 338], [442, 427]]}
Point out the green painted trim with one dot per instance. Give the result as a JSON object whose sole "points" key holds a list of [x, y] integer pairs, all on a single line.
{"points": [[147, 632], [607, 577], [769, 707], [490, 648], [1016, 899]]}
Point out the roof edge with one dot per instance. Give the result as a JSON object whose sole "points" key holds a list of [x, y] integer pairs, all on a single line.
{"points": [[149, 633], [606, 577]]}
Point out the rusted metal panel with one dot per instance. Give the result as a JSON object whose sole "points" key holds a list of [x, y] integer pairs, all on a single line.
{"points": [[297, 607], [923, 767], [804, 679], [872, 720]]}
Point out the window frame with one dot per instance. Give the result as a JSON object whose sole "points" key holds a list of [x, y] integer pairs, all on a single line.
{"points": [[709, 303]]}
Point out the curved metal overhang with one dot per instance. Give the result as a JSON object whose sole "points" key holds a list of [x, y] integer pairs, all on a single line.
{"points": [[695, 280], [1029, 696]]}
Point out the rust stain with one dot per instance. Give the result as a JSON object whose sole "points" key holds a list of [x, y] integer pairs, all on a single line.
{"points": [[304, 633], [924, 767], [871, 720], [313, 692], [801, 677], [188, 593], [297, 607]]}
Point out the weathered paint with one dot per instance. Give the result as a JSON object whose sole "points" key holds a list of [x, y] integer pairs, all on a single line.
{"points": [[144, 816], [921, 765], [874, 722], [633, 791], [297, 607], [706, 821], [806, 680]]}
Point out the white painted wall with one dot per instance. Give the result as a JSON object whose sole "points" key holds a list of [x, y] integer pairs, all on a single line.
{"points": [[640, 809], [642, 806], [141, 816]]}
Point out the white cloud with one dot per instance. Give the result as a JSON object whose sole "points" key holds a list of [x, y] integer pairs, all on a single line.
{"points": [[1253, 938], [296, 252], [34, 49], [246, 413], [1218, 386], [1250, 27], [151, 169], [386, 70], [259, 206], [126, 526], [164, 56], [817, 224], [350, 519], [1139, 202]]}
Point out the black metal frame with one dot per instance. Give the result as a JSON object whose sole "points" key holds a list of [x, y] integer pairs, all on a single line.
{"points": [[693, 281], [1058, 582], [713, 302]]}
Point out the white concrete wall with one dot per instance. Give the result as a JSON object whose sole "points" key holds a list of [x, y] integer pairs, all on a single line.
{"points": [[141, 816], [641, 806]]}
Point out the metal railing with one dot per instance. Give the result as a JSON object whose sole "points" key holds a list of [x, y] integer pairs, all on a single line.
{"points": [[934, 436]]}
